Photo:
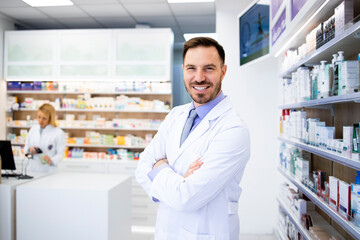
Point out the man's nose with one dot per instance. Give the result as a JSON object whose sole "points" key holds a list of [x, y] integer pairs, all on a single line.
{"points": [[200, 76]]}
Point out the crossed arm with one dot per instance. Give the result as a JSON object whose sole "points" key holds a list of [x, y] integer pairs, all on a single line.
{"points": [[192, 168]]}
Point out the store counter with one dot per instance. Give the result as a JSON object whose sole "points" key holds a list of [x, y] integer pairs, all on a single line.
{"points": [[69, 205], [7, 203]]}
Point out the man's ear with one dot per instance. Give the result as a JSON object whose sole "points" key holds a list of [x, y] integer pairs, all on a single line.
{"points": [[223, 71]]}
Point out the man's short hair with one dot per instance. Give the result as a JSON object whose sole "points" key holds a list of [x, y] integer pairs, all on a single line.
{"points": [[204, 42]]}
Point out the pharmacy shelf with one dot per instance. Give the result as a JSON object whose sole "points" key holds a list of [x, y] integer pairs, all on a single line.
{"points": [[345, 42], [348, 226], [316, 219], [103, 146], [352, 97], [352, 163], [99, 110], [83, 92], [17, 144], [83, 160], [298, 27], [92, 146], [93, 128], [303, 231], [280, 234]]}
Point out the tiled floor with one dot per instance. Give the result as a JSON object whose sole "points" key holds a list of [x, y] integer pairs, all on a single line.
{"points": [[242, 237], [258, 237]]}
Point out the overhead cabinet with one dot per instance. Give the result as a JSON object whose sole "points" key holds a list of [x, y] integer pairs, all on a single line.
{"points": [[85, 53], [125, 54], [30, 54]]}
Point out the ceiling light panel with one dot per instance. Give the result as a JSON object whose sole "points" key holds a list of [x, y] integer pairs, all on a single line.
{"points": [[48, 3], [189, 1]]}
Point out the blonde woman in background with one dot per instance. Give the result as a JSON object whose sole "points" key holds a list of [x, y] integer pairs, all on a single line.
{"points": [[45, 141]]}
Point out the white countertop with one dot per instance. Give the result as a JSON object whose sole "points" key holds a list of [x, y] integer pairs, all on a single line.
{"points": [[13, 181], [73, 205], [77, 181]]}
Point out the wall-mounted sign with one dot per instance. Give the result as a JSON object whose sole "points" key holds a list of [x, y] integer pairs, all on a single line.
{"points": [[296, 5], [275, 5], [278, 28], [254, 33]]}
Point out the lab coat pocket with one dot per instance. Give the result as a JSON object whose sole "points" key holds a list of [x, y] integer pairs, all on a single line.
{"points": [[186, 235], [232, 208]]}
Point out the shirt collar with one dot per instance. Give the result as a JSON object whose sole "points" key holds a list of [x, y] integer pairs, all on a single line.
{"points": [[203, 110]]}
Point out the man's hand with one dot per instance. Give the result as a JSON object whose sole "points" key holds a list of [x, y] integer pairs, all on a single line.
{"points": [[159, 162], [194, 166]]}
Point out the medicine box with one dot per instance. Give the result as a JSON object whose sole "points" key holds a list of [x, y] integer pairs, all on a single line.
{"points": [[37, 86], [334, 192], [13, 86], [27, 86], [299, 208], [344, 196]]}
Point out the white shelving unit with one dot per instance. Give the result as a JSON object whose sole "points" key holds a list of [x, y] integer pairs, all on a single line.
{"points": [[316, 218], [280, 234], [348, 43], [93, 146], [99, 110], [303, 231], [27, 92], [352, 163], [345, 42], [353, 97], [348, 226], [133, 56], [93, 128]]}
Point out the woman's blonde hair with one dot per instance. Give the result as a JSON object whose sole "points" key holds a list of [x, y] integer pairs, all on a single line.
{"points": [[49, 111]]}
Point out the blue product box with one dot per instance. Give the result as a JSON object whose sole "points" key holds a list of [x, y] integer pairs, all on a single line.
{"points": [[37, 86], [13, 86], [27, 86]]}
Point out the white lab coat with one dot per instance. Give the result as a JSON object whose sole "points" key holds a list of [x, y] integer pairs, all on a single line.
{"points": [[51, 141], [203, 206]]}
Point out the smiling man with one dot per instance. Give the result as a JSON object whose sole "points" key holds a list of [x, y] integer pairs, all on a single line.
{"points": [[195, 162]]}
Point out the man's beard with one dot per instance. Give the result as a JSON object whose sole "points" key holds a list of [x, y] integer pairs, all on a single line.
{"points": [[201, 98]]}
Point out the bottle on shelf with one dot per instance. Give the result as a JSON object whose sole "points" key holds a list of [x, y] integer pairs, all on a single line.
{"points": [[321, 81], [355, 188], [335, 85], [357, 215], [314, 82], [340, 60]]}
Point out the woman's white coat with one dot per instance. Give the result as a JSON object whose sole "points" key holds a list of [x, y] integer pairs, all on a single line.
{"points": [[51, 141]]}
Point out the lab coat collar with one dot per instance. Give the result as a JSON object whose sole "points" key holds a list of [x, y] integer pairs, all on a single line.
{"points": [[204, 125], [47, 127]]}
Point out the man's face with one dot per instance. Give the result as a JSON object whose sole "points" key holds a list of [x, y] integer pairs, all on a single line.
{"points": [[203, 74]]}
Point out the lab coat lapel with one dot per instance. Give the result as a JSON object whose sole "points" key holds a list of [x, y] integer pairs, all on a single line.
{"points": [[203, 127], [178, 127]]}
